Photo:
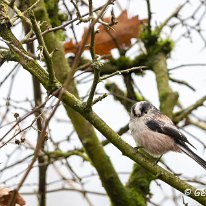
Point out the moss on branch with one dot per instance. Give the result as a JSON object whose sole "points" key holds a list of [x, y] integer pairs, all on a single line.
{"points": [[139, 183], [6, 55], [60, 154]]}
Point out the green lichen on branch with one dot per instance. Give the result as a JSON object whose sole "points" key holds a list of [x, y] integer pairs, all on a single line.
{"points": [[6, 55], [121, 63], [56, 18], [57, 154], [155, 44], [4, 18], [139, 183], [148, 37]]}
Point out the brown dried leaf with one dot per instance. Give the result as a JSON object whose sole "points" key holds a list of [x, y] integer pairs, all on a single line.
{"points": [[70, 47], [118, 37], [6, 194]]}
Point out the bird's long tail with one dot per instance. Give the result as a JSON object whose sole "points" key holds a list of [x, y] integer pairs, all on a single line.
{"points": [[191, 154]]}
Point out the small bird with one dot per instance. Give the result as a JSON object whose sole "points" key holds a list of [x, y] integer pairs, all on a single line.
{"points": [[157, 134]]}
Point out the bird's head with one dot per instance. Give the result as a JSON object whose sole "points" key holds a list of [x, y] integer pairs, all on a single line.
{"points": [[141, 108]]}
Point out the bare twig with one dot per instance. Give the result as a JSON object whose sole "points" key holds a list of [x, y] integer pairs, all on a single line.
{"points": [[182, 82], [100, 98], [68, 189], [63, 26], [149, 13], [175, 13], [40, 141], [126, 71], [187, 65], [47, 56], [20, 119]]}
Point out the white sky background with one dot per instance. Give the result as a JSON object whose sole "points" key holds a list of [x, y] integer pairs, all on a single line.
{"points": [[114, 114]]}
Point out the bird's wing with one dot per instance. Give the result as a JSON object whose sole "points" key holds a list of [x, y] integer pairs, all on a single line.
{"points": [[169, 130]]}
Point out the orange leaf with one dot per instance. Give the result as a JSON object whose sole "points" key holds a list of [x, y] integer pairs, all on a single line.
{"points": [[70, 47], [118, 37], [6, 194]]}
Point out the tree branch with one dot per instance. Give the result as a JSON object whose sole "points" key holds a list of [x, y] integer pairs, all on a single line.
{"points": [[180, 115], [168, 98], [42, 46], [126, 71]]}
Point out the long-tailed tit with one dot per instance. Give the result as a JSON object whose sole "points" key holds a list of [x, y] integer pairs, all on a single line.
{"points": [[157, 134]]}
